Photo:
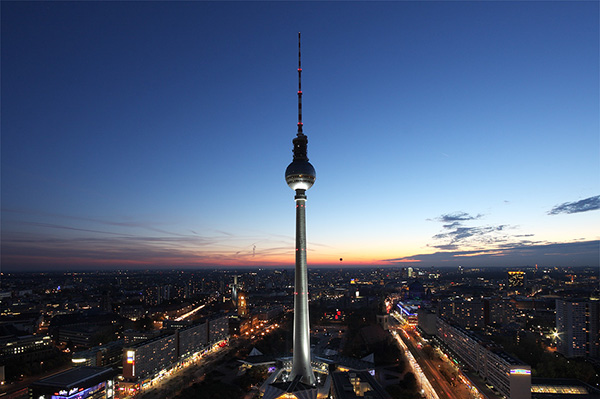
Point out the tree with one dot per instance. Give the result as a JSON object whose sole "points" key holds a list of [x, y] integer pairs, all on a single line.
{"points": [[429, 352], [410, 381]]}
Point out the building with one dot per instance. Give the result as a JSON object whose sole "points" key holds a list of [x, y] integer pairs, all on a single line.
{"points": [[78, 382], [29, 348], [269, 313], [360, 384], [23, 322], [499, 311], [577, 327], [467, 313], [79, 336], [242, 305], [192, 339], [155, 295], [218, 329], [103, 355], [509, 376], [147, 358], [408, 313], [131, 336], [517, 281], [558, 388], [427, 322], [132, 312]]}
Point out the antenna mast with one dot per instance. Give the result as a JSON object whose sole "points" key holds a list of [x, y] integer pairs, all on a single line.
{"points": [[299, 88]]}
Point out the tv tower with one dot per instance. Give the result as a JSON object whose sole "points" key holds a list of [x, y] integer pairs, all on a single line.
{"points": [[300, 176]]}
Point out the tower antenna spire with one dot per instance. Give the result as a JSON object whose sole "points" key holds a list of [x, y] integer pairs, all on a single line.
{"points": [[300, 133]]}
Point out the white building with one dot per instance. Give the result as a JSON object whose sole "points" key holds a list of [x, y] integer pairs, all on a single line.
{"points": [[510, 376]]}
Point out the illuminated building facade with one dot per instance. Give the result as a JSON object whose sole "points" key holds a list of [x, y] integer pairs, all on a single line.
{"points": [[218, 329], [192, 339], [510, 376], [149, 357], [76, 383], [102, 355], [242, 306], [30, 348], [500, 311], [408, 313], [467, 313], [517, 281], [577, 327]]}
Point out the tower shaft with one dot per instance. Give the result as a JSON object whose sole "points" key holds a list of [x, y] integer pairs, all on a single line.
{"points": [[301, 360]]}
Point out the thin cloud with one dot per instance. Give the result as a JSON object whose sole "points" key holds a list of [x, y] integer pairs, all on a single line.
{"points": [[456, 235], [452, 225], [457, 217], [584, 205], [57, 226], [462, 236], [552, 254], [105, 248]]}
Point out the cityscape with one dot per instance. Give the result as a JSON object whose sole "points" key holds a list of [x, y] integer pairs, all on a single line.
{"points": [[434, 332], [449, 249]]}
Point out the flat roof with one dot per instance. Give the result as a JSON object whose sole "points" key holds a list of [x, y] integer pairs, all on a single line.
{"points": [[344, 389], [77, 377]]}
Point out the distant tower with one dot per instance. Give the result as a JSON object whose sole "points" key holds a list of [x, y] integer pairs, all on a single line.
{"points": [[382, 314], [242, 305], [300, 176], [234, 289]]}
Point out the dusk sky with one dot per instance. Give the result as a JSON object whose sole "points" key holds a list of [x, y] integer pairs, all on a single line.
{"points": [[156, 134]]}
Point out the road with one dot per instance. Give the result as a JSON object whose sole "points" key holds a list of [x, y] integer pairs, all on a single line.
{"points": [[431, 369]]}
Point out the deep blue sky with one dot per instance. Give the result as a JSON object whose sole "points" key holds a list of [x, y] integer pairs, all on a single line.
{"points": [[442, 133]]}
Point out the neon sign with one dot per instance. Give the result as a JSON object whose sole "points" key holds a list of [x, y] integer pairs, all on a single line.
{"points": [[520, 371], [130, 356]]}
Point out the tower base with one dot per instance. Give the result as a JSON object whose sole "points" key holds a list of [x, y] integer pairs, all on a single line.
{"points": [[290, 389]]}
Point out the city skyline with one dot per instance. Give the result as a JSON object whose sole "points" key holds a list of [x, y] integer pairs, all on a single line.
{"points": [[154, 134]]}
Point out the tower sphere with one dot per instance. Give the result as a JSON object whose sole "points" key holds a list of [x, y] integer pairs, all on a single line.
{"points": [[300, 175]]}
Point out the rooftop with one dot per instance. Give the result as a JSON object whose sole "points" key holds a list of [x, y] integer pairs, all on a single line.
{"points": [[77, 377]]}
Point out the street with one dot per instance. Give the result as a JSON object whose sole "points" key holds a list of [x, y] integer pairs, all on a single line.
{"points": [[431, 370]]}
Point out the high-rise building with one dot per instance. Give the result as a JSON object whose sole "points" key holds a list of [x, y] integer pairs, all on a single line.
{"points": [[146, 358], [577, 325], [467, 313], [517, 281]]}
